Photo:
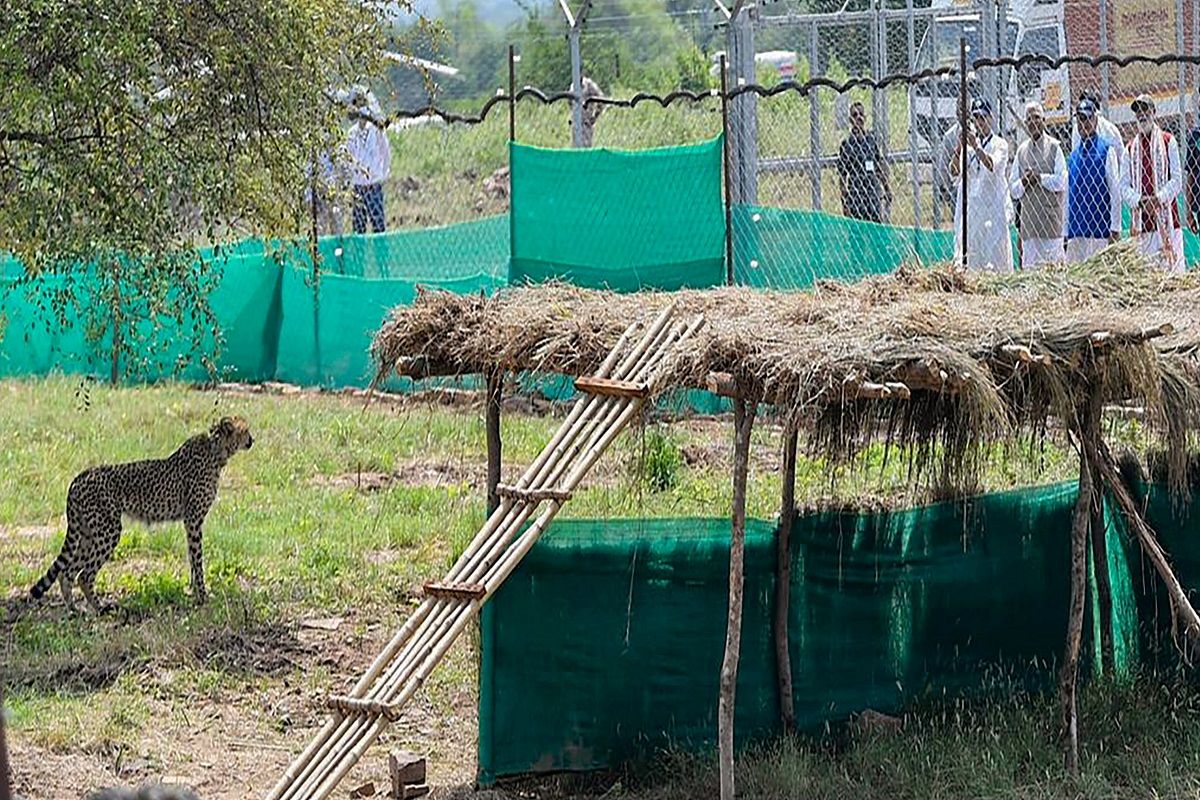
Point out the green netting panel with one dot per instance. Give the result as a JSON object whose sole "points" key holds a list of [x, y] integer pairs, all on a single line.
{"points": [[325, 337], [606, 642], [463, 251], [791, 248], [1177, 524], [244, 298], [619, 219]]}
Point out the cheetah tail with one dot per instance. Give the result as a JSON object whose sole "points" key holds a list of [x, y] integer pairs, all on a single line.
{"points": [[41, 587]]}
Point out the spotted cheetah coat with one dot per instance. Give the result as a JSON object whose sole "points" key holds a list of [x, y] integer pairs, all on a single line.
{"points": [[180, 487]]}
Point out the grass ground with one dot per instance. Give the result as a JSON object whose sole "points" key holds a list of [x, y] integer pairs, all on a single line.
{"points": [[314, 552]]}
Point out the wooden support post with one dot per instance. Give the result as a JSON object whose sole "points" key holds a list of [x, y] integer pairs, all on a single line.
{"points": [[1088, 421], [1103, 578], [783, 578], [743, 416], [495, 385]]}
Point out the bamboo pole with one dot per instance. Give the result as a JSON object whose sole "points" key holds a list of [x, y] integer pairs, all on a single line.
{"points": [[591, 427], [783, 577], [743, 415]]}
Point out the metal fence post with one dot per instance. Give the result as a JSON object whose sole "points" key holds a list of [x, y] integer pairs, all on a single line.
{"points": [[1180, 47], [725, 164], [911, 25], [576, 87], [814, 118], [744, 108], [1105, 77]]}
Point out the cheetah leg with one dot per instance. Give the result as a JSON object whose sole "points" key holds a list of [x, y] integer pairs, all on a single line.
{"points": [[64, 582], [86, 585], [195, 535]]}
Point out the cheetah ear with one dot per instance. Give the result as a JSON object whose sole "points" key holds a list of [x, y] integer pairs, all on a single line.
{"points": [[224, 427]]}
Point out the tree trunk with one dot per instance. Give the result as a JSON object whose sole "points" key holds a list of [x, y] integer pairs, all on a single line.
{"points": [[783, 579], [495, 384], [1067, 680], [1103, 578], [743, 416]]}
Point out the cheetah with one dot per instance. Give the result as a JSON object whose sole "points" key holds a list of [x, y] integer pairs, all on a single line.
{"points": [[180, 487]]}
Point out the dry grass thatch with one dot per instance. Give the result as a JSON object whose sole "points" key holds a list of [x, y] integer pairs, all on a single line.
{"points": [[938, 359]]}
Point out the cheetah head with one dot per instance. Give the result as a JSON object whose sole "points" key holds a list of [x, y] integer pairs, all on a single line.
{"points": [[232, 434]]}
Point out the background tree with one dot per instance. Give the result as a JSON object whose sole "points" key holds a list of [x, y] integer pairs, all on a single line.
{"points": [[133, 132]]}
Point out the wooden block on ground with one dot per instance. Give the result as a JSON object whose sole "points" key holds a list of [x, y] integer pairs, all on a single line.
{"points": [[610, 387], [455, 591], [406, 768], [407, 792]]}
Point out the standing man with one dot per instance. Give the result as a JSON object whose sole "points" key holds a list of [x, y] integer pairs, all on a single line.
{"points": [[1105, 129], [1039, 182], [862, 171], [1093, 188], [590, 111], [370, 163], [989, 246], [1151, 181], [1191, 172]]}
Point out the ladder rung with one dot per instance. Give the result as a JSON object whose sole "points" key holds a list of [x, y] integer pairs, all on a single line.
{"points": [[532, 495], [611, 387], [368, 708], [455, 591]]}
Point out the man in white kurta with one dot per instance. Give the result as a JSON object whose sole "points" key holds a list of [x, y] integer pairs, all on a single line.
{"points": [[1150, 184], [988, 204], [1039, 177]]}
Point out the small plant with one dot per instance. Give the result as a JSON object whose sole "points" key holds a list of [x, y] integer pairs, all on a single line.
{"points": [[660, 460]]}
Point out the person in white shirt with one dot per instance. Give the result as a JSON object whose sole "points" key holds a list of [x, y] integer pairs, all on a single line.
{"points": [[988, 246], [370, 163], [1039, 180], [1150, 184], [1093, 189]]}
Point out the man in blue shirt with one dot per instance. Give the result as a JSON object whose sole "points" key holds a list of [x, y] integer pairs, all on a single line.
{"points": [[1093, 189]]}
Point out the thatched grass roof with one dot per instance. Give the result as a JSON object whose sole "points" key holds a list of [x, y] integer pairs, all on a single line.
{"points": [[940, 359]]}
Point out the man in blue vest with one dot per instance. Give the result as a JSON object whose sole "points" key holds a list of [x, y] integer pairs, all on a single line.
{"points": [[1093, 189]]}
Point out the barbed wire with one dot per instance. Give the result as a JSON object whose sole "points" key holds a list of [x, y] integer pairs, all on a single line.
{"points": [[804, 88]]}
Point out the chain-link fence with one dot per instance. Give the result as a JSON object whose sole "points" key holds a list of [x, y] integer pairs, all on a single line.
{"points": [[844, 150]]}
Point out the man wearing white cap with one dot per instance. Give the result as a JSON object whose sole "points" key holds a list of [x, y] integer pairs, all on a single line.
{"points": [[1151, 181], [1039, 180], [1093, 188], [988, 244]]}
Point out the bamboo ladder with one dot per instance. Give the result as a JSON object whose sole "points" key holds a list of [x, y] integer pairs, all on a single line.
{"points": [[608, 401]]}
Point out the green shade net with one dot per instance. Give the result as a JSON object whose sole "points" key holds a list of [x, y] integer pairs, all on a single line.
{"points": [[623, 220], [606, 642], [792, 249]]}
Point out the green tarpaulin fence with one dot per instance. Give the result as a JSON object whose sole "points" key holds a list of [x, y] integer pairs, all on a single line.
{"points": [[618, 219], [607, 641]]}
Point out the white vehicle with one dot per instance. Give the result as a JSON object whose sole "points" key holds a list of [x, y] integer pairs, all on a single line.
{"points": [[1052, 28]]}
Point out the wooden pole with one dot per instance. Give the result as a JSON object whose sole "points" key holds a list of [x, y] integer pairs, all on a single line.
{"points": [[115, 313], [783, 578], [1103, 578], [495, 384], [1088, 421], [743, 417]]}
